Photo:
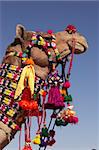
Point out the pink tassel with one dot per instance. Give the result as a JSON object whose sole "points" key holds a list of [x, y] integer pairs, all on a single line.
{"points": [[54, 99]]}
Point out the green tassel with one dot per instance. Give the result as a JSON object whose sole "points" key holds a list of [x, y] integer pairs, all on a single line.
{"points": [[68, 98], [58, 122], [45, 132], [35, 96]]}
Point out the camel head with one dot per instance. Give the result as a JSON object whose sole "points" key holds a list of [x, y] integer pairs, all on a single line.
{"points": [[63, 43]]}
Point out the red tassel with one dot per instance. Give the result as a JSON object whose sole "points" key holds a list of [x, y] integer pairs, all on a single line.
{"points": [[27, 147], [26, 94], [27, 103]]}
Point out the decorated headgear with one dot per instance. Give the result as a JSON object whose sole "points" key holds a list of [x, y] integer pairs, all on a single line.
{"points": [[71, 29]]}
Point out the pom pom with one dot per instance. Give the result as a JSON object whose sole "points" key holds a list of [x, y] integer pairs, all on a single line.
{"points": [[27, 148], [75, 120], [70, 106], [43, 143], [52, 133], [33, 105], [50, 32], [51, 142], [71, 29], [37, 139], [28, 105], [66, 84], [29, 61]]}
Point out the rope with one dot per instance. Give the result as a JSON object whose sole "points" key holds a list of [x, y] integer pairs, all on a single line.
{"points": [[43, 116], [72, 56], [63, 76], [20, 139]]}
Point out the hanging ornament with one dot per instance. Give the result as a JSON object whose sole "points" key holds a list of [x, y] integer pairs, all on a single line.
{"points": [[52, 133], [43, 143], [71, 29], [44, 132], [51, 142], [26, 102], [51, 139], [37, 140], [66, 84], [27, 146], [66, 116], [55, 100], [67, 98]]}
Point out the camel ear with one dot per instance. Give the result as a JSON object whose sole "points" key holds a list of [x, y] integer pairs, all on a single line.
{"points": [[20, 30]]}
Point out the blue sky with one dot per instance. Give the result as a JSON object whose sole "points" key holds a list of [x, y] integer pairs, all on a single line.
{"points": [[84, 79]]}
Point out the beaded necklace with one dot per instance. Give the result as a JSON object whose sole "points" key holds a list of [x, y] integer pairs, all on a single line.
{"points": [[39, 41]]}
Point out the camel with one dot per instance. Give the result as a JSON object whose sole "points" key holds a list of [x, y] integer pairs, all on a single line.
{"points": [[41, 62]]}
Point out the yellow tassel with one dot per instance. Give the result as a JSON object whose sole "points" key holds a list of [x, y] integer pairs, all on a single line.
{"points": [[29, 73], [37, 140]]}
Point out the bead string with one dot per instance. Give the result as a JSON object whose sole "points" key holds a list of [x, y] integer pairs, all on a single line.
{"points": [[39, 41], [7, 91], [10, 67], [11, 112], [5, 99], [8, 83], [8, 74], [9, 122]]}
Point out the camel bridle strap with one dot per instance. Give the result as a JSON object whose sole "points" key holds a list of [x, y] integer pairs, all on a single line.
{"points": [[38, 41]]}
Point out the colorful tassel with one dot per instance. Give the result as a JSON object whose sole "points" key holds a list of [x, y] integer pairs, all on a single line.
{"points": [[44, 132], [37, 140]]}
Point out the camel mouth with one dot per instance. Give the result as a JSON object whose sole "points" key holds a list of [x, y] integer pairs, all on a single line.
{"points": [[79, 47]]}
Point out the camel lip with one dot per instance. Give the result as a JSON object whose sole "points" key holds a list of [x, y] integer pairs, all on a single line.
{"points": [[83, 46], [79, 47]]}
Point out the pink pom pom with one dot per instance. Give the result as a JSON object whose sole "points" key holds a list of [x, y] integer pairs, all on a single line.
{"points": [[66, 84], [49, 31], [70, 119], [71, 28], [75, 120]]}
